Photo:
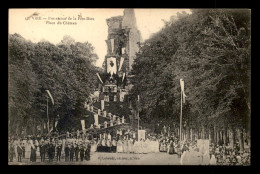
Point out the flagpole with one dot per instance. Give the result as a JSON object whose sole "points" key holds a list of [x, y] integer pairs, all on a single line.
{"points": [[138, 110], [48, 117], [181, 117]]}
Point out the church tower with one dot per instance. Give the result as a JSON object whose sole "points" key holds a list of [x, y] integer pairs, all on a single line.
{"points": [[122, 45]]}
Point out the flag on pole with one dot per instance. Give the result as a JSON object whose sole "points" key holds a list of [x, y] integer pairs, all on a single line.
{"points": [[83, 124], [112, 45], [123, 77], [182, 89], [99, 78], [121, 63], [123, 50], [111, 65], [50, 96], [56, 123], [96, 119], [102, 105]]}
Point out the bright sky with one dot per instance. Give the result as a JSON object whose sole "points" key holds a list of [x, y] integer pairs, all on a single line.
{"points": [[95, 31]]}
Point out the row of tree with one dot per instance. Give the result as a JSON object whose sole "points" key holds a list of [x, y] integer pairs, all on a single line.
{"points": [[210, 49], [67, 70]]}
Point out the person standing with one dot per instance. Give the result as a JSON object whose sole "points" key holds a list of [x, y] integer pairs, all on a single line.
{"points": [[103, 145], [50, 151], [23, 148], [77, 151], [81, 152], [42, 150], [67, 152], [130, 145], [19, 151], [72, 151], [114, 145], [171, 148], [109, 145], [58, 149], [33, 151], [87, 152], [119, 146], [15, 143]]}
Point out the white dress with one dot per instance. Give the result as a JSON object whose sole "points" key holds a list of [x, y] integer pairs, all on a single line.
{"points": [[93, 147], [206, 159], [213, 160], [185, 158], [119, 146], [136, 147], [145, 147]]}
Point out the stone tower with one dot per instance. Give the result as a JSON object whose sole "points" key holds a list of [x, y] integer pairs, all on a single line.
{"points": [[122, 46]]}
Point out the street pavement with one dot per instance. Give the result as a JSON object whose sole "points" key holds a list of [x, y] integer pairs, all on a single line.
{"points": [[99, 158]]}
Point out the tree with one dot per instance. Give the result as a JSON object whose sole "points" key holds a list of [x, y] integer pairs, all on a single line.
{"points": [[210, 50]]}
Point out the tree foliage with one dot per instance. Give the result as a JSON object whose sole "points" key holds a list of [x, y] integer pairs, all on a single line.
{"points": [[67, 70], [210, 50]]}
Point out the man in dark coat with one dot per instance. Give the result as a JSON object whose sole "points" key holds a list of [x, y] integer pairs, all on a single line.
{"points": [[76, 152], [67, 152], [58, 149], [42, 146], [51, 151], [72, 151], [87, 152], [81, 152], [19, 151]]}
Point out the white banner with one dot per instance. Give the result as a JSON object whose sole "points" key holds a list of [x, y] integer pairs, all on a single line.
{"points": [[141, 134], [182, 89], [203, 146], [121, 63], [102, 105], [123, 77], [50, 96], [83, 124], [112, 44], [56, 123], [99, 78], [111, 65], [123, 50], [96, 119]]}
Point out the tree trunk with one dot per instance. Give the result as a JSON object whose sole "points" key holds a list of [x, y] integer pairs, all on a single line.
{"points": [[233, 138], [188, 133], [214, 134], [224, 136], [210, 141], [241, 139], [191, 132], [217, 136]]}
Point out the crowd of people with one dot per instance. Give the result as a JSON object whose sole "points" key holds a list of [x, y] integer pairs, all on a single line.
{"points": [[49, 148], [79, 147]]}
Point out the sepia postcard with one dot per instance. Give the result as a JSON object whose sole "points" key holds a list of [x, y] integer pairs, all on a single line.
{"points": [[129, 86]]}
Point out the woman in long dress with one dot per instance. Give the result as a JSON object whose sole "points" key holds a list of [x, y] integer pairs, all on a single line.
{"points": [[213, 160], [93, 146], [149, 145], [28, 150], [119, 146], [33, 152], [130, 145], [137, 147], [145, 146], [171, 148]]}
